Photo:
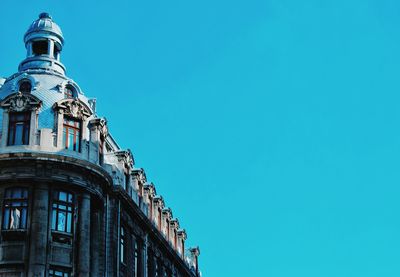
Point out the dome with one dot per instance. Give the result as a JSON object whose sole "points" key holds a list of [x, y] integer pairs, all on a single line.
{"points": [[44, 25]]}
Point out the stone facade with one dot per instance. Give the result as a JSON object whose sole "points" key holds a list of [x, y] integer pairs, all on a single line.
{"points": [[72, 201]]}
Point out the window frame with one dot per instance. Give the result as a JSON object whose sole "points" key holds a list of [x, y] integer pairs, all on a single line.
{"points": [[70, 92], [54, 270], [69, 211], [24, 206], [13, 122], [77, 133], [137, 257], [123, 246]]}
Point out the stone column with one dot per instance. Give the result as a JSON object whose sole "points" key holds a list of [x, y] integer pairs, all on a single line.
{"points": [[60, 125], [29, 49], [32, 128], [51, 49], [84, 236], [4, 136], [96, 242], [39, 229], [144, 256]]}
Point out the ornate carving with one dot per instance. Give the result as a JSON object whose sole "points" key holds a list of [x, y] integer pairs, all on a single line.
{"points": [[101, 124], [74, 108], [19, 102], [125, 156]]}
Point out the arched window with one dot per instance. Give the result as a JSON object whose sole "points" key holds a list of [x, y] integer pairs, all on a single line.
{"points": [[69, 92], [25, 86]]}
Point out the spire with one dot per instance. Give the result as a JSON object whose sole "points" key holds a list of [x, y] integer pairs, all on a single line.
{"points": [[44, 42]]}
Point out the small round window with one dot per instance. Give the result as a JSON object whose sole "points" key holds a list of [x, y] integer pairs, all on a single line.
{"points": [[69, 92], [25, 86]]}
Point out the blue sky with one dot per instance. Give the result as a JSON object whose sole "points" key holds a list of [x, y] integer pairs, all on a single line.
{"points": [[271, 128]]}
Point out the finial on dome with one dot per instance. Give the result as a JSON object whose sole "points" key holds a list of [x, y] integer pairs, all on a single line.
{"points": [[45, 15]]}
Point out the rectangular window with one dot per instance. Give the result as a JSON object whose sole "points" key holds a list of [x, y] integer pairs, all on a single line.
{"points": [[18, 128], [59, 272], [137, 258], [72, 134], [15, 208], [62, 213], [122, 246]]}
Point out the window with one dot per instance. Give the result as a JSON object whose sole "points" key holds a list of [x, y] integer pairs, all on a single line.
{"points": [[25, 86], [137, 258], [59, 272], [69, 92], [40, 47], [62, 213], [72, 134], [15, 208], [122, 257], [18, 128]]}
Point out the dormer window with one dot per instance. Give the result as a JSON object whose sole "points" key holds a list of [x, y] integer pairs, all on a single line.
{"points": [[25, 86], [72, 134], [40, 47], [69, 92], [18, 128]]}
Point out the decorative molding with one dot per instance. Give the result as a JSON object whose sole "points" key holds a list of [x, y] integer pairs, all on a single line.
{"points": [[182, 234], [24, 76], [126, 157], [20, 102], [61, 87], [74, 108], [101, 124]]}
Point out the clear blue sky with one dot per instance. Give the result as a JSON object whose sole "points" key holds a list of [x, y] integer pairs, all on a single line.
{"points": [[272, 128]]}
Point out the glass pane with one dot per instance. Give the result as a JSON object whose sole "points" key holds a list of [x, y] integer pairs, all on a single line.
{"points": [[70, 197], [16, 193], [70, 139], [6, 218], [64, 137], [77, 141], [61, 221], [19, 128], [62, 196], [23, 218], [69, 222], [122, 253], [24, 193], [11, 135]]}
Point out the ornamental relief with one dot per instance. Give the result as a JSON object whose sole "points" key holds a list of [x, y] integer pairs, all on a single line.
{"points": [[19, 102], [73, 108]]}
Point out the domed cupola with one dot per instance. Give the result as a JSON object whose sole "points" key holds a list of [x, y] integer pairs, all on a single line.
{"points": [[44, 42]]}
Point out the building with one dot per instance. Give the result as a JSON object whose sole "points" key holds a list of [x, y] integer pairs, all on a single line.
{"points": [[72, 201]]}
